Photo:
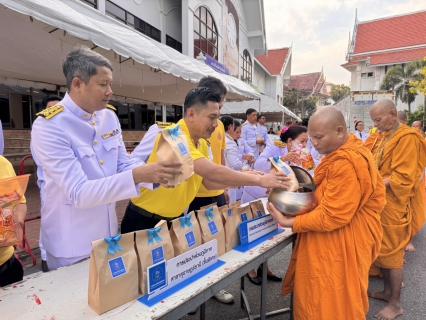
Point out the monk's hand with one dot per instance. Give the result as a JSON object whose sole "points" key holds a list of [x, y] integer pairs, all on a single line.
{"points": [[283, 221], [277, 180]]}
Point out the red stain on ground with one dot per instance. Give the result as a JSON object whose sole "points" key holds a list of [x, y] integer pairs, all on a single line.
{"points": [[53, 318], [162, 301], [14, 287], [36, 299]]}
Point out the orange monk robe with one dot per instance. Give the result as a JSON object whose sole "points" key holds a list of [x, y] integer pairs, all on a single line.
{"points": [[417, 206], [402, 162], [339, 240], [373, 140]]}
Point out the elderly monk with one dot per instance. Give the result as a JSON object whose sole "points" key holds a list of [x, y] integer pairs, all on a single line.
{"points": [[400, 156], [418, 126], [340, 238]]}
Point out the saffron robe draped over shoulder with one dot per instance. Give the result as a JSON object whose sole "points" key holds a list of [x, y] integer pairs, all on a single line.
{"points": [[402, 163], [338, 241]]}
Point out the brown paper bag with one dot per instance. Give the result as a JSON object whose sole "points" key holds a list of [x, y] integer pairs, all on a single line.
{"points": [[113, 278], [224, 212], [257, 209], [212, 227], [11, 192], [152, 246], [185, 233], [279, 166], [173, 146], [233, 220]]}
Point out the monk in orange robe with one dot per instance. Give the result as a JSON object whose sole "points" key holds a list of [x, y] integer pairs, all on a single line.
{"points": [[339, 240], [400, 156]]}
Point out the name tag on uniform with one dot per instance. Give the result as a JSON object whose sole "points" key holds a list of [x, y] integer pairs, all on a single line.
{"points": [[110, 134]]}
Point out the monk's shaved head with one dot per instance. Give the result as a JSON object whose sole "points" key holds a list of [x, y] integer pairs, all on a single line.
{"points": [[384, 115], [402, 117], [327, 129]]}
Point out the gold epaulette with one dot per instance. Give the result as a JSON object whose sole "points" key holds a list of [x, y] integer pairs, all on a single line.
{"points": [[50, 112], [111, 107], [244, 123], [164, 124], [279, 143]]}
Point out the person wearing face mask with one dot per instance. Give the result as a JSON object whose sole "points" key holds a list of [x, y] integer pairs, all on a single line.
{"points": [[288, 149], [234, 158], [359, 131]]}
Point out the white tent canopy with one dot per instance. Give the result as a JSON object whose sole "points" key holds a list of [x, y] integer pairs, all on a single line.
{"points": [[37, 34], [265, 105]]}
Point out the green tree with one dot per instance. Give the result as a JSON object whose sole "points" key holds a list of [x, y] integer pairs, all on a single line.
{"points": [[339, 91], [400, 80], [291, 98], [307, 106], [417, 115]]}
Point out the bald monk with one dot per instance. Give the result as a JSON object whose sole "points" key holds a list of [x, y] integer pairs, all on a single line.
{"points": [[340, 238], [418, 126], [400, 156], [402, 117]]}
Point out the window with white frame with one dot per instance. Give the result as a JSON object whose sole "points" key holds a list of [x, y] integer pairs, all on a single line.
{"points": [[247, 67], [206, 38]]}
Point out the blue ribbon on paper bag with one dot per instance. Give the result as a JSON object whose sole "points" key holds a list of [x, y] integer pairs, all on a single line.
{"points": [[153, 235], [174, 132], [185, 220], [277, 159], [209, 214], [113, 244]]}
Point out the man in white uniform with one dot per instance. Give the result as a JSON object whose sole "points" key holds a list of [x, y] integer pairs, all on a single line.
{"points": [[85, 164]]}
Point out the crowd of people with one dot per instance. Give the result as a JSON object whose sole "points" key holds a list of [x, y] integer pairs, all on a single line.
{"points": [[369, 187]]}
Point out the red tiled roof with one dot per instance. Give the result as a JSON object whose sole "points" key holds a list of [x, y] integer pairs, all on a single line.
{"points": [[390, 57], [304, 82], [319, 86], [394, 32], [274, 60]]}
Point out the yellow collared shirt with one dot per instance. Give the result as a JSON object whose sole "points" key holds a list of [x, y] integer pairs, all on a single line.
{"points": [[217, 144], [171, 202]]}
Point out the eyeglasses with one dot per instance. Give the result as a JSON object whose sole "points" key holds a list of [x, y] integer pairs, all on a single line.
{"points": [[223, 100]]}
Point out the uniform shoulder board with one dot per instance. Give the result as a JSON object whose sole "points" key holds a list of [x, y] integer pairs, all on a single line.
{"points": [[51, 111], [279, 143], [111, 107], [244, 123]]}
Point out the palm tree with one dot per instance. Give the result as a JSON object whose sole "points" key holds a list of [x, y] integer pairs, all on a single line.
{"points": [[291, 98], [398, 79]]}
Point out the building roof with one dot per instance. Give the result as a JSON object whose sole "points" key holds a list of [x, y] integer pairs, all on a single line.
{"points": [[274, 60], [387, 58], [305, 82], [392, 32]]}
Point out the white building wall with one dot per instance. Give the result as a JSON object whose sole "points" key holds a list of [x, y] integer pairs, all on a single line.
{"points": [[259, 78], [147, 10]]}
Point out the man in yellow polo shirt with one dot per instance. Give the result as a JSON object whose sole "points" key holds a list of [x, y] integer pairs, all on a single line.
{"points": [[216, 144], [10, 268], [200, 120]]}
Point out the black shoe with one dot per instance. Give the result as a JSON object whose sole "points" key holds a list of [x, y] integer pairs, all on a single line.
{"points": [[269, 277], [44, 267], [255, 280]]}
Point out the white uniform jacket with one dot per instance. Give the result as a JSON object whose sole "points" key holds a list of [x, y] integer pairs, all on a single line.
{"points": [[86, 169]]}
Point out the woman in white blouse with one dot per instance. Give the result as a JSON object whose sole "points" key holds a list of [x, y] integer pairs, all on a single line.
{"points": [[234, 158], [359, 131]]}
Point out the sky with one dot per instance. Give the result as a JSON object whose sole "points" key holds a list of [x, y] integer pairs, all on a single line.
{"points": [[318, 31]]}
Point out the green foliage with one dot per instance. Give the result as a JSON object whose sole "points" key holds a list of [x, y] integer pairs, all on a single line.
{"points": [[400, 80], [294, 100], [339, 91], [417, 115]]}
